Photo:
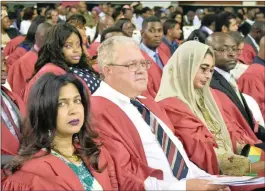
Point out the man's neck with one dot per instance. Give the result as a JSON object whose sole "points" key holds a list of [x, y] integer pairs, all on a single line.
{"points": [[170, 40], [151, 48]]}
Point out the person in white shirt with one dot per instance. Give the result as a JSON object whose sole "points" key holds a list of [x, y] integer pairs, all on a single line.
{"points": [[26, 22], [129, 125]]}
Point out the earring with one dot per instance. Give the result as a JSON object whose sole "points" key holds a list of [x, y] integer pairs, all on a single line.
{"points": [[49, 133]]}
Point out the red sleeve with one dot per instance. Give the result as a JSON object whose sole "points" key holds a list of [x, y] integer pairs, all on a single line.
{"points": [[197, 140], [15, 186], [255, 88], [248, 54], [131, 171]]}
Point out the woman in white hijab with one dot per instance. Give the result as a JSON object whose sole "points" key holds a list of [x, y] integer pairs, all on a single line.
{"points": [[197, 116]]}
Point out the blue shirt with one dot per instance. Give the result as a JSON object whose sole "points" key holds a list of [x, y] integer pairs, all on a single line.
{"points": [[258, 60], [172, 46], [152, 54]]}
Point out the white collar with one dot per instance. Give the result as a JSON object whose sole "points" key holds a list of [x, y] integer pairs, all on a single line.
{"points": [[225, 74], [150, 52], [250, 22], [114, 95], [254, 42], [208, 30]]}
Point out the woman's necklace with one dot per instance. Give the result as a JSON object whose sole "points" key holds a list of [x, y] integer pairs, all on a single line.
{"points": [[73, 157]]}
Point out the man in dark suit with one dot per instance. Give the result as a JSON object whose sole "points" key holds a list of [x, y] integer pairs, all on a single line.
{"points": [[225, 60]]}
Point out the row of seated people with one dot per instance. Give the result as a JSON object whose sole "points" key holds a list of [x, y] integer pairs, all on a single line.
{"points": [[222, 140], [154, 48]]}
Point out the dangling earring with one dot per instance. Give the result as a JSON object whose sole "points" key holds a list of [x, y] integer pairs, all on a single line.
{"points": [[49, 133]]}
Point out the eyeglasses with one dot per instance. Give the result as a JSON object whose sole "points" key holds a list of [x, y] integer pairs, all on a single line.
{"points": [[135, 65], [206, 70], [233, 50]]}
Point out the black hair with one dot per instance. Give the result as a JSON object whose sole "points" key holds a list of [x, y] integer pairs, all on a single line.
{"points": [[236, 36], [48, 12], [30, 37], [208, 20], [151, 19], [109, 30], [39, 10], [123, 10], [223, 19], [51, 52], [12, 15], [119, 24], [39, 127], [239, 15], [169, 24], [78, 18], [145, 9], [198, 35], [28, 13]]}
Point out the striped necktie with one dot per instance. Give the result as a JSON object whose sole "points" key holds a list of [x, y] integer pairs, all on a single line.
{"points": [[175, 159], [158, 61]]}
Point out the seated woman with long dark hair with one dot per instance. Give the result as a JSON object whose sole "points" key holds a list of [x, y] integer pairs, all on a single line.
{"points": [[59, 149], [62, 53]]}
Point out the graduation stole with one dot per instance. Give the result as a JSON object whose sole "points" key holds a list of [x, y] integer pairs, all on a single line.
{"points": [[175, 159]]}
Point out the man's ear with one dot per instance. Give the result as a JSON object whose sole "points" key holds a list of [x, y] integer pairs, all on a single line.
{"points": [[106, 71]]}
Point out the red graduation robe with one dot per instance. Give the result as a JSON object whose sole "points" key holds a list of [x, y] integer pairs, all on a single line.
{"points": [[47, 68], [199, 143], [93, 49], [248, 54], [13, 44], [19, 52], [252, 83], [163, 47], [9, 143], [51, 173], [122, 140], [21, 71], [154, 74]]}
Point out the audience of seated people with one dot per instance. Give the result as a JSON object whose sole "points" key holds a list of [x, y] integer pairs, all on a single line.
{"points": [[104, 97]]}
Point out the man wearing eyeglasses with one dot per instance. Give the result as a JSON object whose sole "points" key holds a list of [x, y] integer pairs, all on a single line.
{"points": [[225, 60], [136, 132]]}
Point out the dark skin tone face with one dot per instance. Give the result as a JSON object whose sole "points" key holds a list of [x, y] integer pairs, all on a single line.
{"points": [[225, 53], [152, 34]]}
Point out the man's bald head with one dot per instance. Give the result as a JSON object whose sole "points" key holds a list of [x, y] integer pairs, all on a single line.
{"points": [[261, 53], [217, 39], [225, 50], [41, 32]]}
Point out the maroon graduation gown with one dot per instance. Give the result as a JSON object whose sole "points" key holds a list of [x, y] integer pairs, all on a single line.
{"points": [[13, 44], [154, 74], [248, 54], [163, 47], [122, 140], [51, 173], [19, 52], [21, 71], [9, 143], [252, 83]]}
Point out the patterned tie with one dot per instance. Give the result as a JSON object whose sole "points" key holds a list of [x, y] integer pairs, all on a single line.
{"points": [[158, 61], [175, 159], [233, 83]]}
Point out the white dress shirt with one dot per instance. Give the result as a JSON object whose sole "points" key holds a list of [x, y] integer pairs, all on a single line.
{"points": [[254, 42], [225, 74], [154, 154], [13, 115], [24, 26], [150, 52]]}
